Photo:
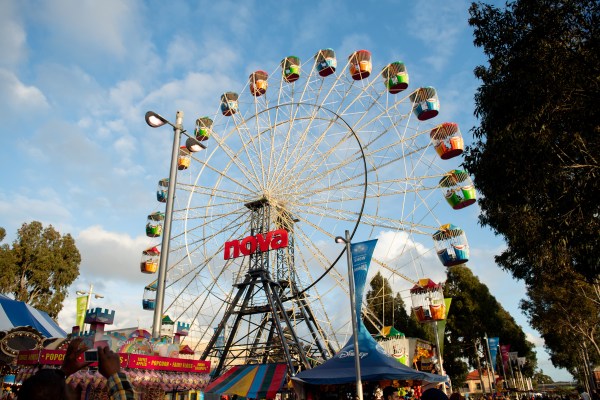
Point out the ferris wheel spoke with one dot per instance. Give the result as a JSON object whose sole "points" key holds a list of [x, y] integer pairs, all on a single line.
{"points": [[252, 148], [303, 150], [234, 160], [316, 255], [398, 225]]}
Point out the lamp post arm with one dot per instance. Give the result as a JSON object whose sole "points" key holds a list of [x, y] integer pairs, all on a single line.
{"points": [[164, 253]]}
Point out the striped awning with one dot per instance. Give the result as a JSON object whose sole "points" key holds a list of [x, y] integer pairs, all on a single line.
{"points": [[17, 313], [261, 381]]}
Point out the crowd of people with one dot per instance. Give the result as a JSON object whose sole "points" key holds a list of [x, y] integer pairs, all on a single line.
{"points": [[50, 383]]}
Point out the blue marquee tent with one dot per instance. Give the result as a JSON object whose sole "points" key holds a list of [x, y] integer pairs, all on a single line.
{"points": [[375, 365], [17, 313]]}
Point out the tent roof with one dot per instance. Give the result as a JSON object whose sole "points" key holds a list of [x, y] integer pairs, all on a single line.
{"points": [[17, 313], [257, 381], [375, 364], [388, 331]]}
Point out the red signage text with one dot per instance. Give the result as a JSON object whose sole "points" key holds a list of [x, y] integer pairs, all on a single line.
{"points": [[260, 243]]}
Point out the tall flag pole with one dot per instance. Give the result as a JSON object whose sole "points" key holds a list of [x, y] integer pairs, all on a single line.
{"points": [[513, 355], [491, 362], [505, 355]]}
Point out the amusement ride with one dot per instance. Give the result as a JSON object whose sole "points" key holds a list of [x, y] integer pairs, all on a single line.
{"points": [[304, 151]]}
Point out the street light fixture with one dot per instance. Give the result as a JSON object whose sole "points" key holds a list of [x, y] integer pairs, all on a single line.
{"points": [[348, 242], [155, 120]]}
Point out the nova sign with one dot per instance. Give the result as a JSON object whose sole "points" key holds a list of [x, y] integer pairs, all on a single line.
{"points": [[260, 243]]}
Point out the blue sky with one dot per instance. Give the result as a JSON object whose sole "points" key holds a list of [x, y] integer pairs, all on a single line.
{"points": [[76, 78]]}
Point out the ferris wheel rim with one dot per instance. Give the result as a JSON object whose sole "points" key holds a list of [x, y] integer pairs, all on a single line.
{"points": [[365, 171]]}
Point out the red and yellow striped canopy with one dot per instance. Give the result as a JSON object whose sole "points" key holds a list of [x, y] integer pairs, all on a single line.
{"points": [[255, 381]]}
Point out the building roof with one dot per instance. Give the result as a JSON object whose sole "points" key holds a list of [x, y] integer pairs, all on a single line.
{"points": [[474, 375]]}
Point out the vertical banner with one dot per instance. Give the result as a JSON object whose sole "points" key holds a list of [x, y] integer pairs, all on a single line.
{"points": [[361, 259], [441, 325], [493, 343], [220, 342], [504, 350], [81, 306]]}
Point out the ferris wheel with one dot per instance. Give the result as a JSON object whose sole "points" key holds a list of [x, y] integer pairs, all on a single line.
{"points": [[296, 157]]}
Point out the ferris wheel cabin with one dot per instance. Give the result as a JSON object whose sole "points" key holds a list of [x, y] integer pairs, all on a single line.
{"points": [[447, 140], [325, 62], [290, 68], [229, 103], [162, 190], [203, 128], [428, 301], [258, 83], [184, 160], [360, 64], [149, 263], [395, 77], [459, 189], [149, 299], [451, 245], [154, 226], [425, 103]]}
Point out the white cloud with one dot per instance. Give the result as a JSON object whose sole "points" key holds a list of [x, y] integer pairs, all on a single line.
{"points": [[534, 339], [40, 204], [125, 95], [181, 52], [19, 99], [438, 37], [88, 25], [110, 254], [12, 36]]}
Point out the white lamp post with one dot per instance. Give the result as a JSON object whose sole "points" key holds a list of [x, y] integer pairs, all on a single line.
{"points": [[155, 120], [348, 242]]}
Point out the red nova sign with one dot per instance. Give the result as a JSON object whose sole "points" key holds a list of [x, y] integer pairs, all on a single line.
{"points": [[260, 243]]}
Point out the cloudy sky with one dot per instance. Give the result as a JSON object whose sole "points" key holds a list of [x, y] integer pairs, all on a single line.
{"points": [[76, 78]]}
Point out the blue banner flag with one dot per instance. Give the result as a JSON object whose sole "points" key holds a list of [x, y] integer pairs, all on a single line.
{"points": [[361, 259], [493, 343]]}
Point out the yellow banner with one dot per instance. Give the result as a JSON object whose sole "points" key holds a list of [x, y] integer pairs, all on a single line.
{"points": [[442, 324], [81, 308]]}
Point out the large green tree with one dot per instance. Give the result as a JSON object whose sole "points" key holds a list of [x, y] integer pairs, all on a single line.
{"points": [[473, 314], [536, 161], [563, 307], [39, 267], [536, 158]]}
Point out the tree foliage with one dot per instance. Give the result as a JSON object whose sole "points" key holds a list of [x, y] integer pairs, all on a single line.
{"points": [[473, 314], [563, 307], [39, 267], [536, 158]]}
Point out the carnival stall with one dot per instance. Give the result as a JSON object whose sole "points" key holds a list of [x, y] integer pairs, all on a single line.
{"points": [[22, 327], [378, 370], [155, 367]]}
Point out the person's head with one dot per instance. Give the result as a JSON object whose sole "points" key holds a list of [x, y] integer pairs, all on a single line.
{"points": [[45, 384], [390, 393]]}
